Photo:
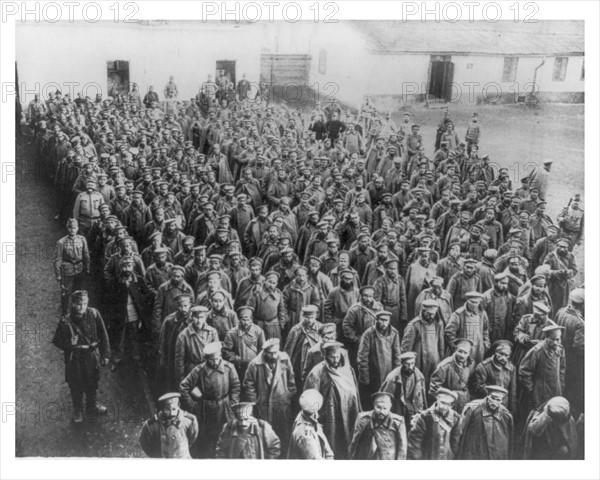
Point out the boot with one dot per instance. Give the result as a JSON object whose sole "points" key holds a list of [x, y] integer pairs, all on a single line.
{"points": [[77, 414]]}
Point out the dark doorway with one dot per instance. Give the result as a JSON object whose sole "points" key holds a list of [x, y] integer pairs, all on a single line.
{"points": [[225, 72], [117, 72], [441, 74]]}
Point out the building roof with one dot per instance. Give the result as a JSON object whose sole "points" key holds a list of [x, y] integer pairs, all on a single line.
{"points": [[545, 37]]}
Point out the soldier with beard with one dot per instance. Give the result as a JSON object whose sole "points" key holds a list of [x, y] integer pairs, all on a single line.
{"points": [[463, 282], [173, 325], [454, 373], [378, 355], [340, 299], [471, 322], [379, 434], [269, 310], [170, 432], [498, 304], [407, 384], [362, 254], [487, 429], [562, 270], [542, 371], [359, 318], [390, 291], [336, 382], [498, 370], [247, 437], [424, 335], [436, 432], [418, 278]]}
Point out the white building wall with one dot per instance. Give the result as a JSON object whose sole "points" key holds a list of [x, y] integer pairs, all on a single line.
{"points": [[61, 53]]}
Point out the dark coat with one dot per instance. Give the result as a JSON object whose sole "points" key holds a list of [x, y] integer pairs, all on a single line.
{"points": [[82, 361], [384, 442], [433, 437], [486, 435]]}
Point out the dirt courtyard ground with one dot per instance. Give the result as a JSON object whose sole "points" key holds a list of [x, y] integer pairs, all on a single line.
{"points": [[514, 136]]}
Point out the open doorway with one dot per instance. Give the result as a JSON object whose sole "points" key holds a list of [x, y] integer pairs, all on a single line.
{"points": [[225, 72], [441, 75], [117, 72]]}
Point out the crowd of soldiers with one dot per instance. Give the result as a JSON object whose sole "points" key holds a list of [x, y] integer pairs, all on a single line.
{"points": [[313, 289]]}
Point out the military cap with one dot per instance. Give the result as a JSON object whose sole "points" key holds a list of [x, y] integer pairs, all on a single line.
{"points": [[272, 273], [346, 273], [255, 261], [272, 343], [437, 280], [500, 276], [470, 261], [577, 295], [79, 295], [365, 288], [199, 309], [448, 394], [216, 256], [552, 326], [300, 268], [377, 395], [423, 250], [168, 396], [199, 247], [212, 274], [496, 389], [310, 309], [218, 292], [502, 345], [160, 250], [563, 242], [177, 268], [245, 309], [490, 254], [331, 239], [462, 341], [474, 295], [541, 308], [455, 201], [390, 261], [408, 356], [315, 259], [537, 278], [430, 303], [311, 400], [212, 348], [333, 345]]}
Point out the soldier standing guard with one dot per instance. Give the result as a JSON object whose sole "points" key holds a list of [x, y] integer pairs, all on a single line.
{"points": [[82, 337], [71, 262], [170, 432]]}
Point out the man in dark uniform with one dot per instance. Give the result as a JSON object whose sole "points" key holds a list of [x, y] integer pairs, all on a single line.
{"points": [[82, 337], [379, 434], [247, 437], [170, 432]]}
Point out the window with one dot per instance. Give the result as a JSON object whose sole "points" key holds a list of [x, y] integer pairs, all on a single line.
{"points": [[509, 74], [560, 69], [582, 71], [322, 61]]}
